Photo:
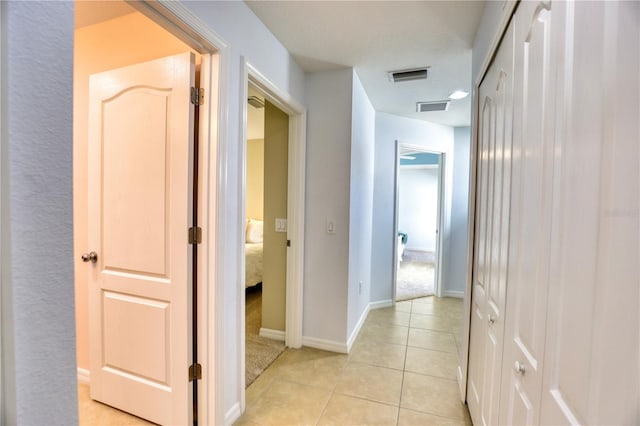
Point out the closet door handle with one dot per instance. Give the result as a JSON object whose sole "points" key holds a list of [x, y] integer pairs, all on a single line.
{"points": [[492, 320], [519, 368]]}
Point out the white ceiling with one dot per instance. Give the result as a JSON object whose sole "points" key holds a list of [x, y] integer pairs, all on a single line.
{"points": [[376, 37]]}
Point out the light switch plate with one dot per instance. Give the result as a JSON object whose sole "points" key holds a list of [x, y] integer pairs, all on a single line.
{"points": [[331, 227], [281, 225]]}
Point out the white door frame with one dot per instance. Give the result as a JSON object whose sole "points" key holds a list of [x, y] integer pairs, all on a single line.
{"points": [[295, 208], [441, 201], [2, 157], [212, 192]]}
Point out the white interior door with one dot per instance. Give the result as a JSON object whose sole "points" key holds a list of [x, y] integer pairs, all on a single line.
{"points": [[531, 221], [140, 175], [491, 241], [592, 347]]}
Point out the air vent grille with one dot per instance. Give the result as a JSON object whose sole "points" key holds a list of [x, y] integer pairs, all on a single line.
{"points": [[432, 106], [409, 75], [255, 102]]}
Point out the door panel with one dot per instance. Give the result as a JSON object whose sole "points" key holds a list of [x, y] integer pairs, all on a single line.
{"points": [[597, 251], [130, 349], [478, 325], [531, 209], [276, 165], [489, 289], [140, 133], [136, 220]]}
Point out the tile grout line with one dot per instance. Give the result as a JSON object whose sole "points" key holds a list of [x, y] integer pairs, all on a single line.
{"points": [[326, 404], [404, 365]]}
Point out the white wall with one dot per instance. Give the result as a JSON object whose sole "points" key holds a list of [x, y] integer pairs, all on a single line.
{"points": [[361, 203], [329, 108], [247, 37], [494, 18], [390, 128], [255, 179], [39, 375], [418, 206], [458, 243]]}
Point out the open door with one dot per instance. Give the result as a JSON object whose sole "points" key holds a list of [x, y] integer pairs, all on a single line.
{"points": [[141, 124]]}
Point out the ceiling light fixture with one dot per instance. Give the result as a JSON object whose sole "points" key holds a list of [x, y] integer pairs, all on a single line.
{"points": [[458, 94]]}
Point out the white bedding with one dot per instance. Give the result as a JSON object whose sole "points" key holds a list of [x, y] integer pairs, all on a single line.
{"points": [[253, 264]]}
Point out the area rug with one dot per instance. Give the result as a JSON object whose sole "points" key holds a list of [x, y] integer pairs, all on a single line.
{"points": [[415, 279], [260, 352]]}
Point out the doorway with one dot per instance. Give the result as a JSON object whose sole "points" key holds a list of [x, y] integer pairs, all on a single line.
{"points": [[289, 231], [417, 222], [265, 237], [110, 37]]}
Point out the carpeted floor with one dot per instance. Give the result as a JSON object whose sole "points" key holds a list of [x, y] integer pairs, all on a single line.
{"points": [[415, 279], [260, 351]]}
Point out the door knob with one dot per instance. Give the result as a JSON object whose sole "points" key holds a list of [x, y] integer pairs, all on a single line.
{"points": [[519, 368], [90, 257], [491, 319]]}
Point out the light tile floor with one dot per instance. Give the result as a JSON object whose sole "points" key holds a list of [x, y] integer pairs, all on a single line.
{"points": [[93, 413], [401, 371]]}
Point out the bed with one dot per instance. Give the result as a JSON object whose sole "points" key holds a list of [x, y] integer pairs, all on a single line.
{"points": [[253, 264], [253, 253]]}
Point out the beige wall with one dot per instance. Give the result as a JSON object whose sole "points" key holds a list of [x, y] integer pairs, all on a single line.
{"points": [[255, 179], [122, 41], [276, 141]]}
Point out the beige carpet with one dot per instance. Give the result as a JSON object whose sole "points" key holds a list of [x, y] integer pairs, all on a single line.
{"points": [[260, 351], [415, 279]]}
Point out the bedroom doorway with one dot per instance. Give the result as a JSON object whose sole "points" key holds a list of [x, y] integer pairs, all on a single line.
{"points": [[418, 222], [290, 126], [99, 51], [265, 239]]}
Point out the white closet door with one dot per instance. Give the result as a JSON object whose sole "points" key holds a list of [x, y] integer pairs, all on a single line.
{"points": [[591, 364], [489, 289], [531, 216]]}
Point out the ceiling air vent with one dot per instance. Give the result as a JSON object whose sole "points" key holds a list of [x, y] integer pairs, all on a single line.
{"points": [[432, 106], [409, 75], [255, 102]]}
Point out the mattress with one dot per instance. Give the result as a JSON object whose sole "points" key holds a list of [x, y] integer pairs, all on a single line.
{"points": [[253, 264]]}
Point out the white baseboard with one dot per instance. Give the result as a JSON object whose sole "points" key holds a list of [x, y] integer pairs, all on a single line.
{"points": [[381, 304], [233, 414], [272, 334], [461, 385], [453, 293], [325, 345], [356, 329], [83, 375]]}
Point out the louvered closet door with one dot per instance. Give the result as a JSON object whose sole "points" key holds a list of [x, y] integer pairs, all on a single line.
{"points": [[492, 232], [531, 216]]}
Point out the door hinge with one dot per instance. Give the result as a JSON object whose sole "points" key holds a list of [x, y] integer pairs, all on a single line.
{"points": [[197, 96], [288, 243], [195, 235], [195, 372]]}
